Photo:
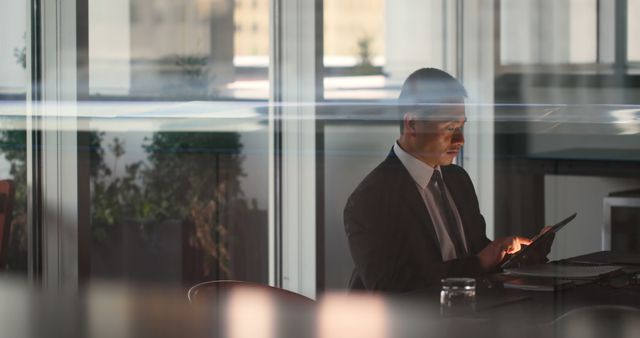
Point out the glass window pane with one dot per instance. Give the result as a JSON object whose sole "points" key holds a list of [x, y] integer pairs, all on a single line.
{"points": [[13, 76], [633, 32], [178, 172], [370, 47], [548, 32], [354, 49], [366, 44], [571, 126], [562, 133], [202, 49]]}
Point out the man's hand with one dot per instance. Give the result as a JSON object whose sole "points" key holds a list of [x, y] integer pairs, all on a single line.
{"points": [[494, 253]]}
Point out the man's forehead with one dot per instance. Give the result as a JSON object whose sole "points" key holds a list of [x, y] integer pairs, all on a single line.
{"points": [[443, 111]]}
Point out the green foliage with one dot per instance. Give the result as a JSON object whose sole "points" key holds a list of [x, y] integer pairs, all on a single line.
{"points": [[193, 177], [97, 167], [21, 54], [188, 167], [113, 199], [13, 145]]}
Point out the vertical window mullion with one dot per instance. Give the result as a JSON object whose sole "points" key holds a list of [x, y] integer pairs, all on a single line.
{"points": [[52, 143], [294, 82]]}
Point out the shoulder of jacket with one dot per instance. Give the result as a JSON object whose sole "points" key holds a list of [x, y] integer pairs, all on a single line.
{"points": [[378, 180], [454, 169]]}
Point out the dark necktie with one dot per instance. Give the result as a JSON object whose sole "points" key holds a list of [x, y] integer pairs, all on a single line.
{"points": [[449, 219]]}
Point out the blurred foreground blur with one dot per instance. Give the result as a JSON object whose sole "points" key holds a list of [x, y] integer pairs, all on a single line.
{"points": [[111, 310]]}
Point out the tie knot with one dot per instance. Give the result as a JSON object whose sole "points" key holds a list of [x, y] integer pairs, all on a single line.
{"points": [[437, 177]]}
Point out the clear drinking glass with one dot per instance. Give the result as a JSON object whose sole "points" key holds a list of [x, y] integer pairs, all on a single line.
{"points": [[457, 296]]}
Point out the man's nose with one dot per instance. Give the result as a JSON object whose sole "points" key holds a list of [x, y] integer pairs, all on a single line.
{"points": [[458, 137]]}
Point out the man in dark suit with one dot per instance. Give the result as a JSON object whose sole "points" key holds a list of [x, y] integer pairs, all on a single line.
{"points": [[415, 218]]}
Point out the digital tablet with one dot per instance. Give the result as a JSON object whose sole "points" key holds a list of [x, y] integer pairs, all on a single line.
{"points": [[515, 259]]}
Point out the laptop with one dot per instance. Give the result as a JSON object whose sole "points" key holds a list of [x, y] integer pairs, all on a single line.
{"points": [[606, 258], [516, 259]]}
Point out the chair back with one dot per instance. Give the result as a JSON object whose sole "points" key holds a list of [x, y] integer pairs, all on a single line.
{"points": [[6, 209], [221, 289], [234, 308]]}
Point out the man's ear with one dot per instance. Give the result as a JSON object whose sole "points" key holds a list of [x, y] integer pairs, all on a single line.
{"points": [[409, 123]]}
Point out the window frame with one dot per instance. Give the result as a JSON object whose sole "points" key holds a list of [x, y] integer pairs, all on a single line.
{"points": [[57, 207], [295, 78], [52, 173]]}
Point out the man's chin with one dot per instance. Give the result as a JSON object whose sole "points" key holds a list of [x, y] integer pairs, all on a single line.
{"points": [[448, 158]]}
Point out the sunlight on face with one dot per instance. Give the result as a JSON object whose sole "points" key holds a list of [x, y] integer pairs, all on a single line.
{"points": [[438, 138]]}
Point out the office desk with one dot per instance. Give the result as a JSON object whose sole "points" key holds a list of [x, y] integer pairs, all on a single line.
{"points": [[537, 307], [543, 307], [598, 310]]}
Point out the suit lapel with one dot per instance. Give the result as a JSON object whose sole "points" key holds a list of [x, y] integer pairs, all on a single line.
{"points": [[410, 197]]}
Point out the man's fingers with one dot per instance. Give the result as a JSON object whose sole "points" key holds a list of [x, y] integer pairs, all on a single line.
{"points": [[511, 245], [515, 243]]}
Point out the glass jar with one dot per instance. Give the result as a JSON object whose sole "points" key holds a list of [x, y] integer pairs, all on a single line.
{"points": [[457, 296]]}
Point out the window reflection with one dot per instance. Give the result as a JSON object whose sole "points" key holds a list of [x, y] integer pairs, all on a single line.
{"points": [[370, 47], [178, 189], [548, 32], [202, 49], [553, 115], [13, 75], [175, 198], [633, 30], [354, 49]]}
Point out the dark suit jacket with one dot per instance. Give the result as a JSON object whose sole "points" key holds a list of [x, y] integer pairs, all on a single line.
{"points": [[391, 236]]}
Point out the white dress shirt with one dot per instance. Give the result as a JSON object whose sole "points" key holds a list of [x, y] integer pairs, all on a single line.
{"points": [[421, 174]]}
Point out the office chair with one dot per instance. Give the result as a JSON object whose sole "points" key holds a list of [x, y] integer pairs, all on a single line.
{"points": [[208, 291], [235, 308]]}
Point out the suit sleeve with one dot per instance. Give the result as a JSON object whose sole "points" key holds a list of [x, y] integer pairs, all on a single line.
{"points": [[372, 242]]}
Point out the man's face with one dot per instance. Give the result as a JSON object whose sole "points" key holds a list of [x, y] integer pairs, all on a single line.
{"points": [[438, 140]]}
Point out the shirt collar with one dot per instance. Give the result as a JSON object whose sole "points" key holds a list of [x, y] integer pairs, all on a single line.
{"points": [[419, 171]]}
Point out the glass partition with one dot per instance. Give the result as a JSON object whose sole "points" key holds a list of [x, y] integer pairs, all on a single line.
{"points": [[548, 32], [561, 118], [180, 153], [13, 136], [571, 136], [633, 29], [354, 45], [370, 47], [176, 125]]}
